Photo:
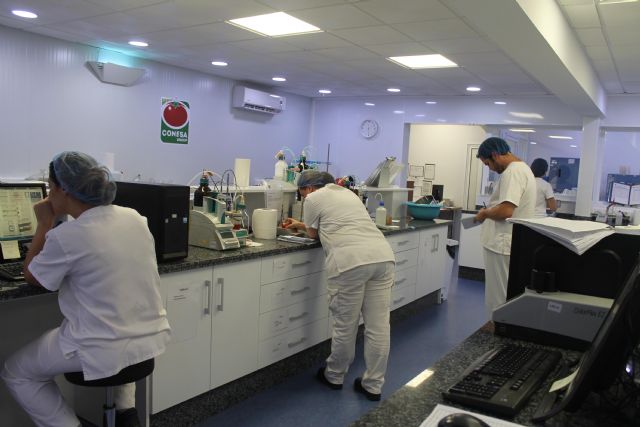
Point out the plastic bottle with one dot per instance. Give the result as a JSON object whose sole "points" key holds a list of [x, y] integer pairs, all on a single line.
{"points": [[201, 191], [381, 215], [281, 167]]}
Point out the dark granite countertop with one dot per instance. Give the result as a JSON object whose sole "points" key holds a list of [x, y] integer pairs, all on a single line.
{"points": [[409, 406], [201, 257]]}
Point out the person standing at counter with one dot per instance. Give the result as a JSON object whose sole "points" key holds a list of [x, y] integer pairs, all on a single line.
{"points": [[360, 269], [514, 196], [545, 199], [103, 265]]}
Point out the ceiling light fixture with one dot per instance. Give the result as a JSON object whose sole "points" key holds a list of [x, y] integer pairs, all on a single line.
{"points": [[393, 89], [324, 91], [24, 14], [398, 112], [369, 104], [431, 102], [532, 142], [420, 115], [573, 146], [473, 89], [416, 62], [138, 43], [278, 79], [522, 115], [219, 63], [560, 137], [274, 25], [526, 130], [499, 102], [615, 1]]}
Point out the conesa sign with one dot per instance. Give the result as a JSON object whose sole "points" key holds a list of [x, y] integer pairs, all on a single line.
{"points": [[174, 125]]}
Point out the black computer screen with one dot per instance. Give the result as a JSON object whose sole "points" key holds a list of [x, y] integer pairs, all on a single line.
{"points": [[606, 358]]}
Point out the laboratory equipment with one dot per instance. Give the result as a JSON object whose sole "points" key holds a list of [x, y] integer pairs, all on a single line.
{"points": [[280, 170], [210, 229], [201, 191]]}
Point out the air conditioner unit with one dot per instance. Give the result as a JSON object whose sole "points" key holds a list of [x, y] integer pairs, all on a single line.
{"points": [[255, 100]]}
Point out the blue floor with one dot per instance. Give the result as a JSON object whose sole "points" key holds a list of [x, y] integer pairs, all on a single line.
{"points": [[416, 343]]}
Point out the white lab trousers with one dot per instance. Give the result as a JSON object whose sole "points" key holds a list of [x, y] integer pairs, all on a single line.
{"points": [[496, 278], [29, 374], [365, 289]]}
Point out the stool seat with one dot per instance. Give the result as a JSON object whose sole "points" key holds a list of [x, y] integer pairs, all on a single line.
{"points": [[127, 375]]}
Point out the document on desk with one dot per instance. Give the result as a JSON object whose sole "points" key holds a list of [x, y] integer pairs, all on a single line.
{"points": [[469, 222], [441, 411]]}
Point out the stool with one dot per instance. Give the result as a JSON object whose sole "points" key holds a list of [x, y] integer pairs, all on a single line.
{"points": [[127, 375]]}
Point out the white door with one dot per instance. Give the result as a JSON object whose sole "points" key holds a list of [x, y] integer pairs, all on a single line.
{"points": [[182, 371], [235, 309]]}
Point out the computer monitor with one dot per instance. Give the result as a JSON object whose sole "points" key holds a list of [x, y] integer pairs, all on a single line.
{"points": [[606, 358], [17, 219]]}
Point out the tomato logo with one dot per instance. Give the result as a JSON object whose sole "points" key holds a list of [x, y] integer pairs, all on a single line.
{"points": [[175, 114]]}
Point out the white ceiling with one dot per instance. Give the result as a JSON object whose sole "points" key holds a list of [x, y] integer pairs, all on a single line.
{"points": [[349, 56]]}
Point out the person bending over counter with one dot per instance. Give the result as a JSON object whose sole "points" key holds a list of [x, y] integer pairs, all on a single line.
{"points": [[103, 266], [545, 199], [360, 268], [514, 196]]}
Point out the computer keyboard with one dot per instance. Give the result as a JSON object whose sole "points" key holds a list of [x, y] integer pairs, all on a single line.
{"points": [[502, 380], [11, 271]]}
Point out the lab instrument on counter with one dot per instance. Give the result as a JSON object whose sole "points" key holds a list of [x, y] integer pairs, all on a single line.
{"points": [[209, 229], [202, 191], [166, 207]]}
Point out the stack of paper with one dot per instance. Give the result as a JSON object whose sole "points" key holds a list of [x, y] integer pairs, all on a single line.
{"points": [[578, 236]]}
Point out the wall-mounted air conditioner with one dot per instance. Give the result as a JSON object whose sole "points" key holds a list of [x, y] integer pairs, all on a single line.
{"points": [[256, 100]]}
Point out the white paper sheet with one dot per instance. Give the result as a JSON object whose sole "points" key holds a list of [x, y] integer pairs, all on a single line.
{"points": [[10, 249], [441, 411], [469, 222]]}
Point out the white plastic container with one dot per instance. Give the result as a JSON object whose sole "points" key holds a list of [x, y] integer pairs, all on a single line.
{"points": [[280, 172], [381, 215]]}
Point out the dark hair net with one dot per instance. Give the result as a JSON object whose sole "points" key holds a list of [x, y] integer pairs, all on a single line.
{"points": [[314, 178], [82, 177], [492, 145]]}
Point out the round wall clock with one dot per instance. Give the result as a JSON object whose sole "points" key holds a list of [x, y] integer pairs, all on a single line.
{"points": [[369, 128]]}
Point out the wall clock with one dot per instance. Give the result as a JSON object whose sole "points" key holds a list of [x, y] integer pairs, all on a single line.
{"points": [[369, 128]]}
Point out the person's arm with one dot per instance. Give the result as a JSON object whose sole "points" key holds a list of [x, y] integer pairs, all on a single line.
{"points": [[551, 204], [45, 218], [299, 225], [499, 212]]}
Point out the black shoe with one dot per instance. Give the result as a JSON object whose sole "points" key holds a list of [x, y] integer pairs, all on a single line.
{"points": [[127, 418], [320, 377], [357, 386]]}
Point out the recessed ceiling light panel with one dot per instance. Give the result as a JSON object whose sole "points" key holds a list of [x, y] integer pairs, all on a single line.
{"points": [[369, 104], [138, 43], [324, 91], [278, 79], [473, 89], [560, 137], [416, 62], [24, 14], [431, 102], [525, 130], [499, 102], [393, 89], [275, 25], [219, 63]]}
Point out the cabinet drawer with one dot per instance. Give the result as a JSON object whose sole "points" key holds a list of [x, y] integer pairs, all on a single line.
{"points": [[284, 345], [402, 296], [406, 277], [290, 265], [286, 292], [406, 259], [404, 241], [292, 317]]}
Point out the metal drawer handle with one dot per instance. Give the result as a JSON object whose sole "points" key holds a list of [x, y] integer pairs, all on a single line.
{"points": [[300, 264], [297, 291], [207, 308], [295, 343], [220, 305], [396, 301], [292, 318]]}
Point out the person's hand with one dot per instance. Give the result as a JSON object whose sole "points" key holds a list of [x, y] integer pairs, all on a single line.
{"points": [[293, 224], [481, 215], [44, 213]]}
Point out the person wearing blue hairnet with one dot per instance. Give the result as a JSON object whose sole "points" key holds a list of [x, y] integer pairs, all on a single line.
{"points": [[545, 199], [103, 265], [513, 197], [360, 267]]}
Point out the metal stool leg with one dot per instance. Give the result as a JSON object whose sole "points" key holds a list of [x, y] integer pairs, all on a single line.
{"points": [[109, 406]]}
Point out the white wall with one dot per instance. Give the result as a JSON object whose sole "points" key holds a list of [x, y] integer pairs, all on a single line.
{"points": [[52, 102], [446, 147]]}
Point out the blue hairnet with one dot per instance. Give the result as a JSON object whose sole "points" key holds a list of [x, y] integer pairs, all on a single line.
{"points": [[314, 178], [82, 177], [492, 145]]}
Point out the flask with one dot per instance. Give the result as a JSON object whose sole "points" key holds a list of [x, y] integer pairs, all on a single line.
{"points": [[201, 191], [381, 215], [281, 167]]}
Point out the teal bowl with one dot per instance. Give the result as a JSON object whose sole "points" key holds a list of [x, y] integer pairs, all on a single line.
{"points": [[423, 211]]}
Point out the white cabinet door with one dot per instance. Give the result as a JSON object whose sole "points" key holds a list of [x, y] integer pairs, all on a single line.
{"points": [[470, 252], [431, 269], [182, 371], [235, 309]]}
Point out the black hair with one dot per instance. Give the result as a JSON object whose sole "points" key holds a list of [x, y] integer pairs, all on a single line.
{"points": [[539, 167]]}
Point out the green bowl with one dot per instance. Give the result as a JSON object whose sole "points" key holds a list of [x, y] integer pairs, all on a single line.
{"points": [[423, 211]]}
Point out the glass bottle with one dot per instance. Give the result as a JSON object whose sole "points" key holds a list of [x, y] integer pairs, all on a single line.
{"points": [[202, 191]]}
